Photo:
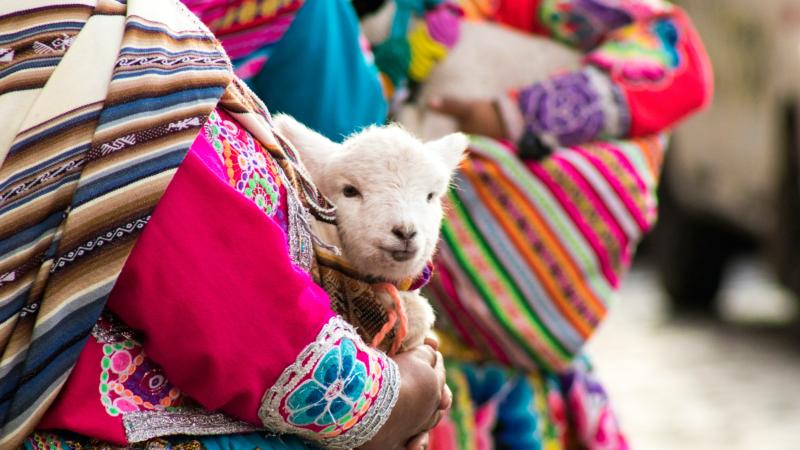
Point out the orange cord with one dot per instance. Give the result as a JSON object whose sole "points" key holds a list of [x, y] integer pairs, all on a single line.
{"points": [[387, 327], [398, 312]]}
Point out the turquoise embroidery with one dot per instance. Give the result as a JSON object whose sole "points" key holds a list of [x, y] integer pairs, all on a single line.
{"points": [[331, 394]]}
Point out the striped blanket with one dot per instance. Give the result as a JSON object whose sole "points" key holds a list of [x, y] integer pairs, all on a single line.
{"points": [[100, 99], [531, 253]]}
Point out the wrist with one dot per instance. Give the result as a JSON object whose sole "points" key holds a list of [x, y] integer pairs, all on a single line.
{"points": [[510, 116]]}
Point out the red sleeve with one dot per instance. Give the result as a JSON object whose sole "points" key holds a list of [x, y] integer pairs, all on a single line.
{"points": [[645, 69], [662, 69]]}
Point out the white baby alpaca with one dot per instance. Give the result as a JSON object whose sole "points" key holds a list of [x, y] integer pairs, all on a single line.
{"points": [[387, 187]]}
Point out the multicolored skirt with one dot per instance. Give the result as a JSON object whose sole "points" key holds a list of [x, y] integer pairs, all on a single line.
{"points": [[500, 408]]}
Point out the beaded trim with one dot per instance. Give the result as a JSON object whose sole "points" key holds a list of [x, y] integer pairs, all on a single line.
{"points": [[301, 250], [360, 433], [143, 425], [108, 330]]}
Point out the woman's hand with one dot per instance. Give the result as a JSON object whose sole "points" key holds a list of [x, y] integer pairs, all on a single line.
{"points": [[424, 398], [481, 117]]}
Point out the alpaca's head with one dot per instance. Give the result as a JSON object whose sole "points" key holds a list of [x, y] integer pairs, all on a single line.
{"points": [[387, 187]]}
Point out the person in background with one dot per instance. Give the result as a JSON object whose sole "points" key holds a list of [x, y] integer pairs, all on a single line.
{"points": [[154, 272], [535, 246]]}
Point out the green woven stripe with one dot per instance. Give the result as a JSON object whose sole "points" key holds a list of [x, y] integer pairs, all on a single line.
{"points": [[477, 280]]}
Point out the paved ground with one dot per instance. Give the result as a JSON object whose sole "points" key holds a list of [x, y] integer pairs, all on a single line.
{"points": [[701, 384]]}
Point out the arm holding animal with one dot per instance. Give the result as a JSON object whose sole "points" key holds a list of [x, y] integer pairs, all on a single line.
{"points": [[236, 326], [638, 55]]}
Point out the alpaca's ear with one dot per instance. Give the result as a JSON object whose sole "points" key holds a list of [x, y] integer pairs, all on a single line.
{"points": [[450, 148], [315, 149]]}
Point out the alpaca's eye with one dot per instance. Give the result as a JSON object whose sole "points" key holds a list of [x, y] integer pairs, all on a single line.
{"points": [[430, 196], [350, 191]]}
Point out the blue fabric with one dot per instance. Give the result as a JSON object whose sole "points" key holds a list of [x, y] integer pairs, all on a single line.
{"points": [[517, 418], [319, 74], [517, 424], [252, 441], [249, 441]]}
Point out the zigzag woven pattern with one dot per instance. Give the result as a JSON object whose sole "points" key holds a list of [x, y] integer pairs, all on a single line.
{"points": [[530, 255]]}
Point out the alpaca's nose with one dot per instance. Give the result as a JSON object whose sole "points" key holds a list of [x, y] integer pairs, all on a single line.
{"points": [[404, 233]]}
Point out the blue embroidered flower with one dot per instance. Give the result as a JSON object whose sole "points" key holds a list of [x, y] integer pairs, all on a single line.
{"points": [[330, 394]]}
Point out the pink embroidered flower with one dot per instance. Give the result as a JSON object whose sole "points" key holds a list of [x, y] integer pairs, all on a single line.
{"points": [[130, 382]]}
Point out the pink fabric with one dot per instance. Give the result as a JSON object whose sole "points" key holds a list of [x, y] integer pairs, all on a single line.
{"points": [[586, 229], [78, 407], [690, 88], [204, 152], [213, 291], [241, 30], [219, 305]]}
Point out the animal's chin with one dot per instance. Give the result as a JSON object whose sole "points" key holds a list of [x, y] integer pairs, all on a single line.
{"points": [[397, 270], [393, 265]]}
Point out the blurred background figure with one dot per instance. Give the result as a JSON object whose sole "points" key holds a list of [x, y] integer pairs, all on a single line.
{"points": [[704, 333]]}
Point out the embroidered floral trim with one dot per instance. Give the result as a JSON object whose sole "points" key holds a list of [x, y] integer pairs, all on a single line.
{"points": [[586, 22], [574, 108], [339, 390], [45, 440], [252, 171], [249, 167], [108, 330], [641, 54]]}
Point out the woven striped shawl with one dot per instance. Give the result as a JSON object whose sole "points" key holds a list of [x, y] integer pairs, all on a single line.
{"points": [[101, 100], [531, 254]]}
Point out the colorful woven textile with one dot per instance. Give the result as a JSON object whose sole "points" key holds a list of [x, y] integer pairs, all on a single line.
{"points": [[413, 50], [496, 407], [321, 74], [107, 98], [530, 255], [249, 29]]}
